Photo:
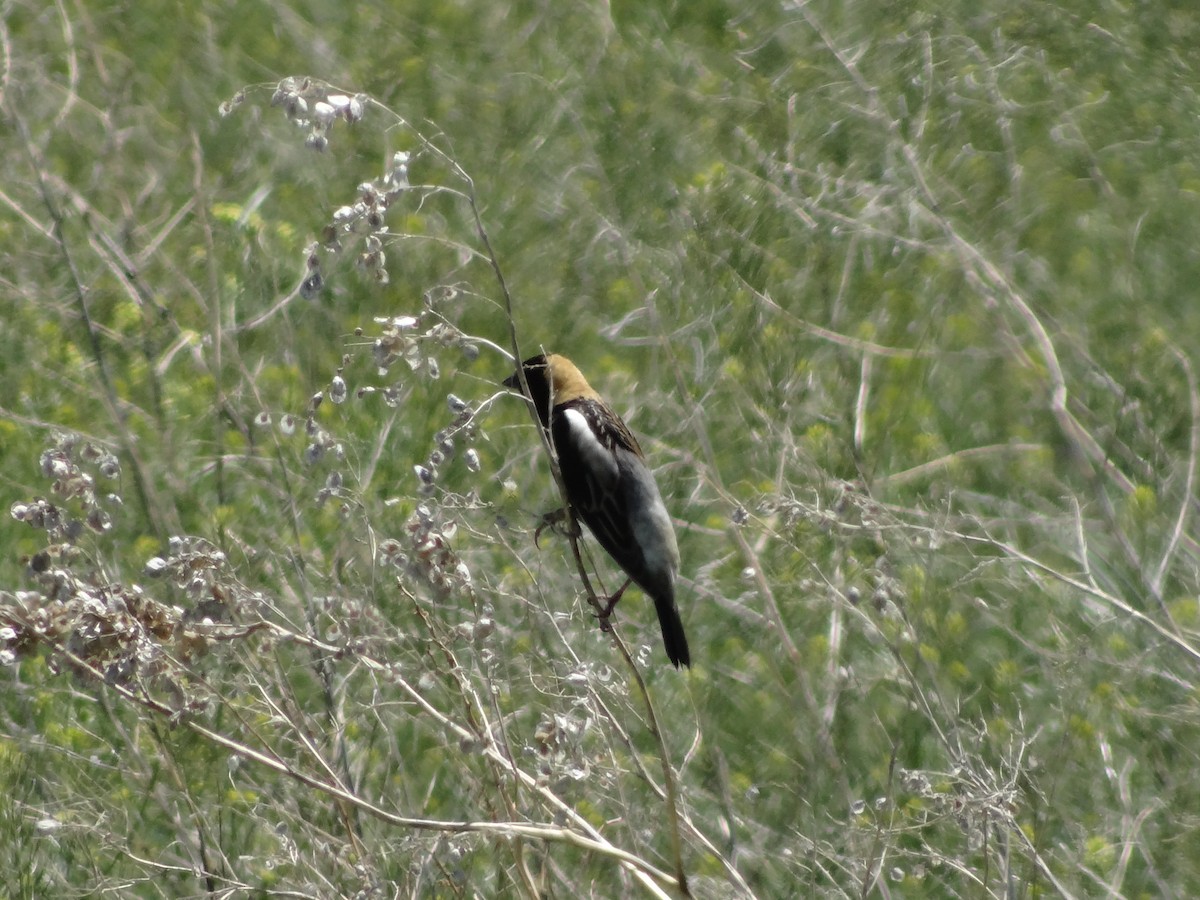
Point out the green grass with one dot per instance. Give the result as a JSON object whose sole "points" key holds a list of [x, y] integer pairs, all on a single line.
{"points": [[900, 300]]}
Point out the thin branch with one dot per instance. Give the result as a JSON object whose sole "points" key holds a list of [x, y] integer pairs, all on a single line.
{"points": [[650, 877], [1189, 487]]}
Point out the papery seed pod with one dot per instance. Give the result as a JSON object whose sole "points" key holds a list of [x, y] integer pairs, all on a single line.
{"points": [[110, 466], [337, 389], [312, 286], [323, 113], [99, 521]]}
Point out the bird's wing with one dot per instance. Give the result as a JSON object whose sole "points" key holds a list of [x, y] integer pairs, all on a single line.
{"points": [[588, 440]]}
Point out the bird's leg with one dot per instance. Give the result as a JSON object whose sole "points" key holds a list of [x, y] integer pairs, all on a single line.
{"points": [[611, 604], [554, 521]]}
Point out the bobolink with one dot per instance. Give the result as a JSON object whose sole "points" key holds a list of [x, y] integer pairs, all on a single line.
{"points": [[609, 486]]}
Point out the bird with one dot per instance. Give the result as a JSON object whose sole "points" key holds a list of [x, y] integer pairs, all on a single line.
{"points": [[610, 487]]}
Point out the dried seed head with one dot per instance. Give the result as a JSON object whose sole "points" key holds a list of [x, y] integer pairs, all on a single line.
{"points": [[323, 113], [337, 389], [312, 286]]}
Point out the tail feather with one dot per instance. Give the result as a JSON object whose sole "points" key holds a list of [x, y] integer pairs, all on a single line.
{"points": [[672, 631]]}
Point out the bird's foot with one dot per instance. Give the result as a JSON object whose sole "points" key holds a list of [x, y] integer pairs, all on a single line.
{"points": [[609, 605], [554, 520]]}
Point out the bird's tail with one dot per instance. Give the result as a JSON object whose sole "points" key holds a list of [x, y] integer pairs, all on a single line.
{"points": [[672, 631]]}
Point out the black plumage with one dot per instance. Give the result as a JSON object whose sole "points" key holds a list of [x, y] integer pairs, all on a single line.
{"points": [[610, 486]]}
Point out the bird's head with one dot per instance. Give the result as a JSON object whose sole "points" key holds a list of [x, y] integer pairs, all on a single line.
{"points": [[552, 380]]}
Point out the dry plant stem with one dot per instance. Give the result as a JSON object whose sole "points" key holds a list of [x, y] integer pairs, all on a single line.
{"points": [[587, 838], [860, 406], [877, 853], [711, 473], [215, 318], [486, 731], [858, 345], [149, 503], [934, 466], [990, 280], [669, 780], [1090, 589], [1189, 487], [135, 759], [196, 821]]}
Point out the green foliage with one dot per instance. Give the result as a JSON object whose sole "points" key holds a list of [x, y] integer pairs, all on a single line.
{"points": [[901, 298]]}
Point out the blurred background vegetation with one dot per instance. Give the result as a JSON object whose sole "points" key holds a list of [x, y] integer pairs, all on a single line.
{"points": [[901, 297]]}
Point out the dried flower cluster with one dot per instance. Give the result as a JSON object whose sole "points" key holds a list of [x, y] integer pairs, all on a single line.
{"points": [[364, 220], [559, 741], [402, 338], [89, 627], [66, 464], [93, 625], [930, 797], [322, 444], [428, 554], [314, 105]]}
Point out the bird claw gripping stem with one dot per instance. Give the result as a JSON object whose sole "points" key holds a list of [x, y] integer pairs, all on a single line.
{"points": [[610, 604], [555, 520]]}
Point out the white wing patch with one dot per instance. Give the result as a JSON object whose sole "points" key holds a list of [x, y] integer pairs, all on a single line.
{"points": [[599, 460]]}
